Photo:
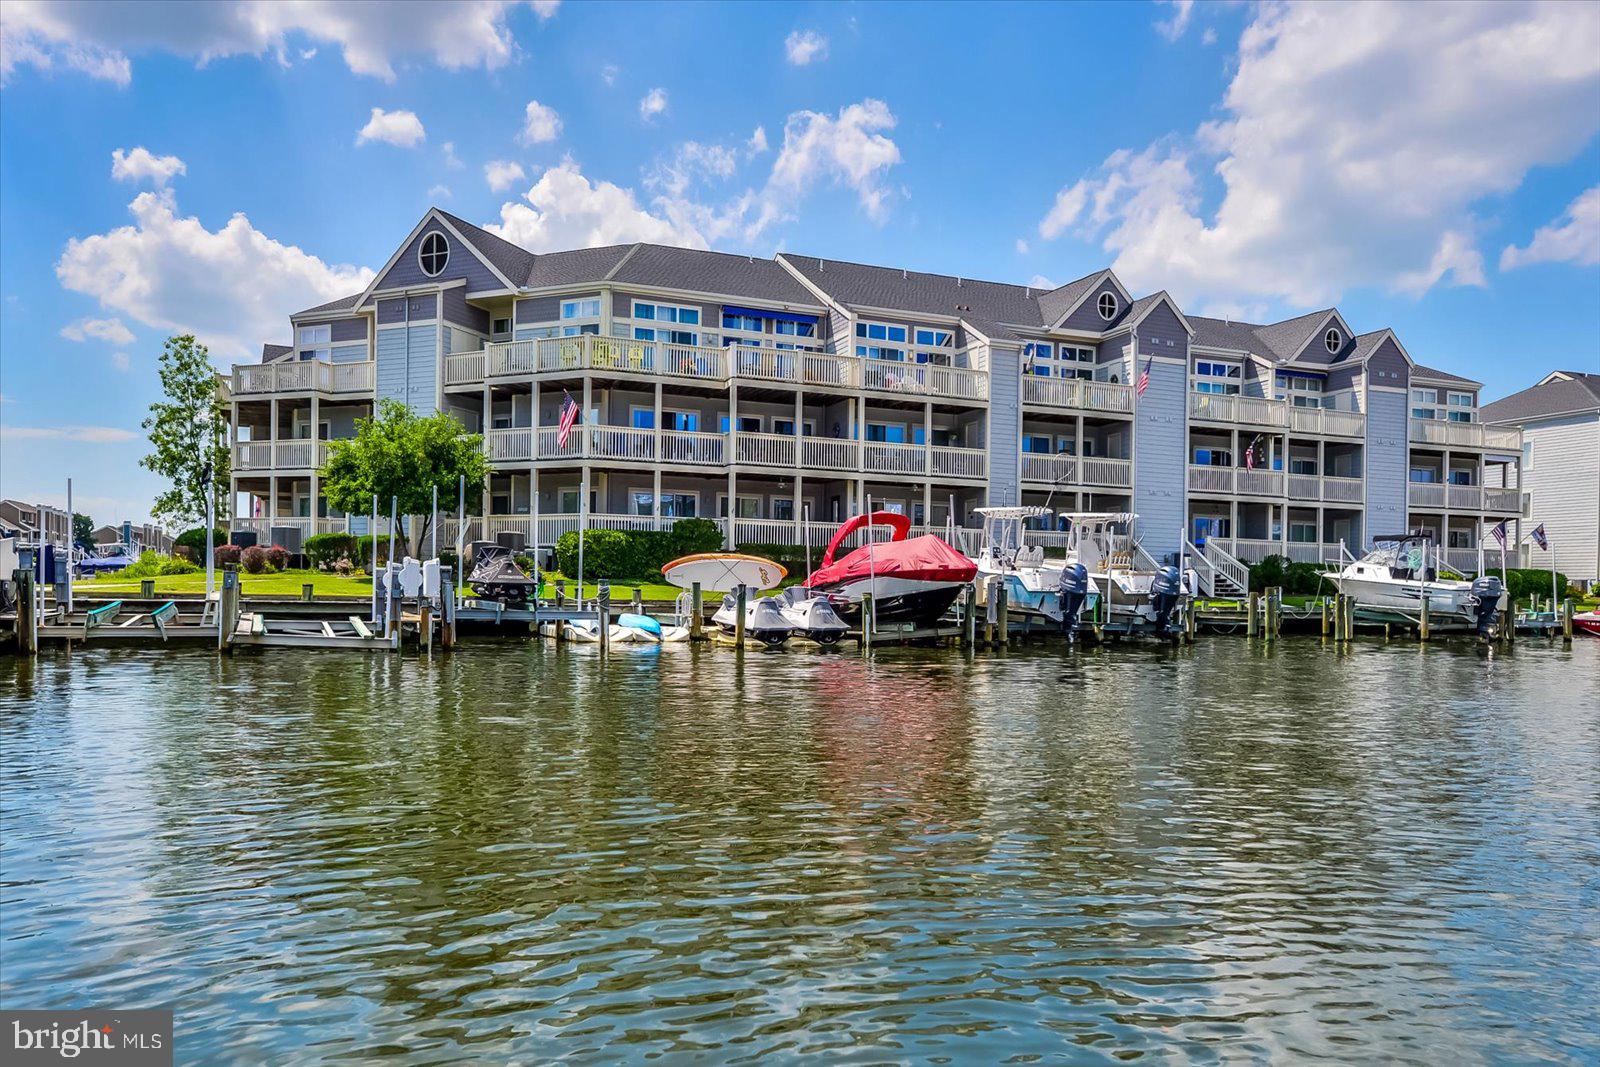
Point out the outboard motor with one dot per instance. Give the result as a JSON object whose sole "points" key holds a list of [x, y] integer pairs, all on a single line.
{"points": [[1487, 589], [1074, 590], [1165, 588]]}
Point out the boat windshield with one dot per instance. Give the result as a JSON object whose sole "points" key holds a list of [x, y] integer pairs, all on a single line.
{"points": [[1403, 559]]}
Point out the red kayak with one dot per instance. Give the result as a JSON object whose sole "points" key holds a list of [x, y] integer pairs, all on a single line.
{"points": [[1588, 622], [911, 579]]}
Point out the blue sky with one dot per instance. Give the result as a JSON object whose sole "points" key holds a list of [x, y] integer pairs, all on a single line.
{"points": [[1435, 170]]}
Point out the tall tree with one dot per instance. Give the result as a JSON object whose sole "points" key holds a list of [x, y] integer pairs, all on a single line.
{"points": [[400, 455], [187, 435], [82, 528]]}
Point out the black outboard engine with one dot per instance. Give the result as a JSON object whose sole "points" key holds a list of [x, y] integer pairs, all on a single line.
{"points": [[1164, 590], [1074, 590], [1487, 590]]}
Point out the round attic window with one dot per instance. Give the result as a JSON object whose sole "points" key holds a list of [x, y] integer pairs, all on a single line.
{"points": [[1333, 340], [1108, 306], [433, 254]]}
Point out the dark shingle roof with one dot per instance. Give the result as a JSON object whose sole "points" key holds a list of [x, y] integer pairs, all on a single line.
{"points": [[917, 293], [1288, 337], [511, 260], [712, 272], [1224, 333], [1058, 301], [272, 352], [573, 267], [344, 303], [1430, 374], [1572, 391]]}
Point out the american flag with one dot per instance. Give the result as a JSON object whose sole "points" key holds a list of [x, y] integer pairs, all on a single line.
{"points": [[1250, 454], [1539, 538], [1144, 378], [1500, 532], [569, 417]]}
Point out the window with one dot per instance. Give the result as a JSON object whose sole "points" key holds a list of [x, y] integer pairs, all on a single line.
{"points": [[1459, 416], [898, 355], [1107, 305], [686, 421], [1302, 466], [878, 331], [1213, 457], [1036, 443], [575, 331], [1219, 378], [1461, 539], [671, 313], [747, 424], [1527, 455], [581, 309], [783, 508], [1460, 477], [1303, 533], [795, 329], [937, 338], [670, 337], [433, 254], [748, 323], [786, 427], [642, 418], [314, 342], [500, 326], [1461, 405], [886, 433], [1211, 526], [749, 507], [1422, 404], [1332, 341], [569, 501], [1299, 390], [1424, 476]]}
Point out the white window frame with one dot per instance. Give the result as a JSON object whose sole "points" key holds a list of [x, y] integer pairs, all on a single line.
{"points": [[864, 329], [423, 250], [724, 512], [676, 309], [1107, 305], [581, 307], [1333, 340]]}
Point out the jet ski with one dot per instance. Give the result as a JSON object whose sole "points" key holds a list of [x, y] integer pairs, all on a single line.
{"points": [[496, 576], [911, 579], [813, 617], [764, 620]]}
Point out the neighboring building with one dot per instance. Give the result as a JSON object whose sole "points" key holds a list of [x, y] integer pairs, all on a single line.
{"points": [[759, 391], [27, 519], [145, 534], [1560, 423]]}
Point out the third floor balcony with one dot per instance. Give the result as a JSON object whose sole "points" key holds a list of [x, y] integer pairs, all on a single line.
{"points": [[302, 376], [1255, 411], [1449, 434]]}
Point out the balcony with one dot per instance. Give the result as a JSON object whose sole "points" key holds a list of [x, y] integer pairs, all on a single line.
{"points": [[1444, 433], [1077, 395], [690, 448], [557, 356], [745, 531], [302, 376], [1438, 496], [1332, 490], [1238, 481], [1075, 470], [1278, 414], [1252, 550], [252, 456]]}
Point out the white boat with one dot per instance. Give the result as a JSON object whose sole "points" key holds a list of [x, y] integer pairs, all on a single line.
{"points": [[1127, 586], [764, 620], [813, 617], [1032, 583], [1391, 581]]}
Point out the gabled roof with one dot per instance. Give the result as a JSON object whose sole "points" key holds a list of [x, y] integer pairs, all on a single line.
{"points": [[1095, 281], [722, 273], [1285, 339], [513, 261], [344, 303], [272, 352], [573, 267], [1280, 342], [1146, 304], [1058, 303], [1419, 373], [1565, 392], [989, 329]]}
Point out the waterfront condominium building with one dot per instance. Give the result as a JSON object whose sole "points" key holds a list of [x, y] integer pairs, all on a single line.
{"points": [[1559, 419], [757, 392]]}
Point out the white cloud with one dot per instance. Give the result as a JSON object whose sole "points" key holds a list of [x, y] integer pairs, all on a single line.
{"points": [[98, 39], [451, 160], [848, 148], [119, 360], [502, 174], [539, 124], [546, 9], [1174, 27], [1022, 246], [233, 287], [564, 209], [608, 73], [1356, 140], [1208, 36], [140, 164], [400, 128], [1039, 281], [439, 192], [113, 331], [652, 104], [91, 435], [1573, 237], [692, 160], [757, 143], [804, 47]]}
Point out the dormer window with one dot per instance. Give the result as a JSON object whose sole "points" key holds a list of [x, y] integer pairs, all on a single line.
{"points": [[1332, 340], [1108, 306], [433, 254]]}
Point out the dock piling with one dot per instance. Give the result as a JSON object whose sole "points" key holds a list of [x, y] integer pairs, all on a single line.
{"points": [[602, 603], [638, 600], [147, 588], [969, 615], [308, 592], [1566, 621], [697, 616], [738, 622], [1423, 620], [27, 613], [1003, 613], [1252, 624]]}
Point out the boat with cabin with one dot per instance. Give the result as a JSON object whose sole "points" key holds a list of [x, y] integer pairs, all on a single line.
{"points": [[1401, 571], [912, 580]]}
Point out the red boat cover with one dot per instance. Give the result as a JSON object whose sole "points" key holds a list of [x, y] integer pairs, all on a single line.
{"points": [[925, 558]]}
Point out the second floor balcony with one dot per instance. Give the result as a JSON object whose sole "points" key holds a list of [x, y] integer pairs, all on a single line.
{"points": [[290, 455], [1440, 496], [1038, 467], [1255, 411], [1261, 482], [1077, 394], [565, 356], [302, 376], [1450, 434]]}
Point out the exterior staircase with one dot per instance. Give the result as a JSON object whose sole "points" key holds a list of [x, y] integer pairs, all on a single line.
{"points": [[1220, 574]]}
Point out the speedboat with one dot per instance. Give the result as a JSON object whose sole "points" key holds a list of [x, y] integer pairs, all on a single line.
{"points": [[911, 579], [1128, 589], [1033, 584], [764, 620], [1390, 583], [1588, 622], [813, 616]]}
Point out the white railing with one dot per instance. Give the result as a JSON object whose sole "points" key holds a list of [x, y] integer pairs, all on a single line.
{"points": [[1225, 564], [772, 449], [509, 445], [829, 453], [302, 376], [550, 446], [823, 368], [619, 442], [688, 446], [464, 368], [1343, 490], [1071, 393], [252, 456], [1044, 467], [952, 462], [881, 458], [1258, 482], [1505, 500], [1259, 411], [1210, 479], [279, 455], [1465, 434], [1425, 495], [1465, 497], [292, 454], [1117, 473]]}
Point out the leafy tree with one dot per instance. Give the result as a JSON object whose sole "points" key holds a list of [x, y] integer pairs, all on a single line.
{"points": [[397, 454], [82, 528], [186, 435]]}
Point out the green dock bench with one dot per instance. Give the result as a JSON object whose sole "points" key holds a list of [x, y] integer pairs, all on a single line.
{"points": [[102, 615], [163, 615]]}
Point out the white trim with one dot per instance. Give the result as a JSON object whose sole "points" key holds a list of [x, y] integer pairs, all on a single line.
{"points": [[432, 214], [1094, 287], [1164, 299], [422, 247]]}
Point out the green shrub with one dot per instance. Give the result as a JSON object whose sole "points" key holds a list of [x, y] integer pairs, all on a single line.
{"points": [[1527, 582], [690, 536], [254, 560], [364, 550], [277, 557], [1269, 573], [150, 565], [226, 554], [325, 549], [635, 554], [195, 540]]}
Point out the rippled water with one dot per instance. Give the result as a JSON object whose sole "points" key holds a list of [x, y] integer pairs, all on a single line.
{"points": [[520, 853]]}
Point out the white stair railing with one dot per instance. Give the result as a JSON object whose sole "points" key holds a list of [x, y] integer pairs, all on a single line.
{"points": [[1231, 570], [1205, 571]]}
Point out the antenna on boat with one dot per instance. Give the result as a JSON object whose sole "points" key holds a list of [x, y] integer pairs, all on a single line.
{"points": [[805, 533]]}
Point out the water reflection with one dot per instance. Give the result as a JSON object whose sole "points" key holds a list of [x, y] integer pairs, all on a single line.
{"points": [[521, 851]]}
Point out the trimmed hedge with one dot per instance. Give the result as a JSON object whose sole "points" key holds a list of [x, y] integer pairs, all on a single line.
{"points": [[634, 554], [195, 540], [326, 549], [791, 558], [1528, 582]]}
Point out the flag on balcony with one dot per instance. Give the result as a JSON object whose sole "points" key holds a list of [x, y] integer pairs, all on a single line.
{"points": [[569, 417], [1250, 454], [1539, 537], [1144, 377], [1500, 532]]}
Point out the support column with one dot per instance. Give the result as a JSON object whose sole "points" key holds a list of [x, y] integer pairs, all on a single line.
{"points": [[659, 456], [733, 505], [533, 509], [799, 505], [799, 432], [927, 440], [316, 447]]}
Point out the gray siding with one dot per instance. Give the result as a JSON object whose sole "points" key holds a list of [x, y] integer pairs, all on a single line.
{"points": [[1343, 377], [1005, 426], [1161, 334], [1159, 447], [1564, 480], [540, 308], [458, 311], [1087, 317], [393, 310], [1388, 462], [342, 329], [407, 362], [710, 314], [464, 263], [1386, 366]]}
